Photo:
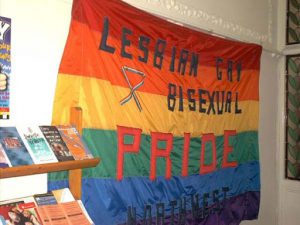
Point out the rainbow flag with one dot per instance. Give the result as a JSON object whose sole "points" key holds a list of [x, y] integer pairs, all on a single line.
{"points": [[172, 113]]}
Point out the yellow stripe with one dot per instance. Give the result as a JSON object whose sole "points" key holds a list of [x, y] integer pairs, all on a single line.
{"points": [[100, 102]]}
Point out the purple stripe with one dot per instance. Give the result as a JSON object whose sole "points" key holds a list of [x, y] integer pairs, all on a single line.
{"points": [[234, 210]]}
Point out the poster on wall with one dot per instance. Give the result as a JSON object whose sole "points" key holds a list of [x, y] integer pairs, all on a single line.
{"points": [[171, 112], [5, 65]]}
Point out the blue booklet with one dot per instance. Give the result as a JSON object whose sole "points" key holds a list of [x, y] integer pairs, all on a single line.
{"points": [[14, 147], [45, 199]]}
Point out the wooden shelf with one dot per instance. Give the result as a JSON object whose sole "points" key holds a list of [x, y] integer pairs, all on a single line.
{"points": [[74, 167], [46, 168]]}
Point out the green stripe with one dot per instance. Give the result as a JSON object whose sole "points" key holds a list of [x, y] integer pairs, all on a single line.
{"points": [[103, 144]]}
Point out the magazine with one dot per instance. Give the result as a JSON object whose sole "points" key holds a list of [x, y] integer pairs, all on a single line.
{"points": [[21, 211], [4, 161], [36, 145], [56, 143], [74, 142], [14, 147], [7, 211]]}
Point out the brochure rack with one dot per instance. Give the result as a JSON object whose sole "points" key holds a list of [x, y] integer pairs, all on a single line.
{"points": [[74, 167]]}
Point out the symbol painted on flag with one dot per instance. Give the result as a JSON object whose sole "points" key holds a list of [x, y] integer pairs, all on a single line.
{"points": [[132, 88]]}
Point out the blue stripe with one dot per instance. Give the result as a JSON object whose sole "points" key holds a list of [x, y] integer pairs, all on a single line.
{"points": [[107, 199], [234, 210]]}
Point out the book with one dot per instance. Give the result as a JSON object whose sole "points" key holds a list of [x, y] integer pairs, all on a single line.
{"points": [[14, 147], [74, 142], [85, 211], [52, 214], [45, 199], [37, 145], [74, 213], [69, 213], [63, 195], [43, 215], [56, 143], [54, 197], [4, 161], [30, 211]]}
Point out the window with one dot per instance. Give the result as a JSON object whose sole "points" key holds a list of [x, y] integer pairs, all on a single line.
{"points": [[293, 22], [293, 117]]}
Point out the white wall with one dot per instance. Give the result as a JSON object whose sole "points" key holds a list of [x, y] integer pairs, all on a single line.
{"points": [[267, 141], [39, 30], [252, 21]]}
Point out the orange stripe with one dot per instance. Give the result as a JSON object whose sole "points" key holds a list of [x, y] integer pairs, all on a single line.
{"points": [[100, 103]]}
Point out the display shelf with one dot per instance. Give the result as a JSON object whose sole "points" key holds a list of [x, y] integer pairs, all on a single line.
{"points": [[74, 167], [47, 168]]}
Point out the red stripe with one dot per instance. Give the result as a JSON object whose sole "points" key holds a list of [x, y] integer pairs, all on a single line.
{"points": [[83, 57], [120, 14]]}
